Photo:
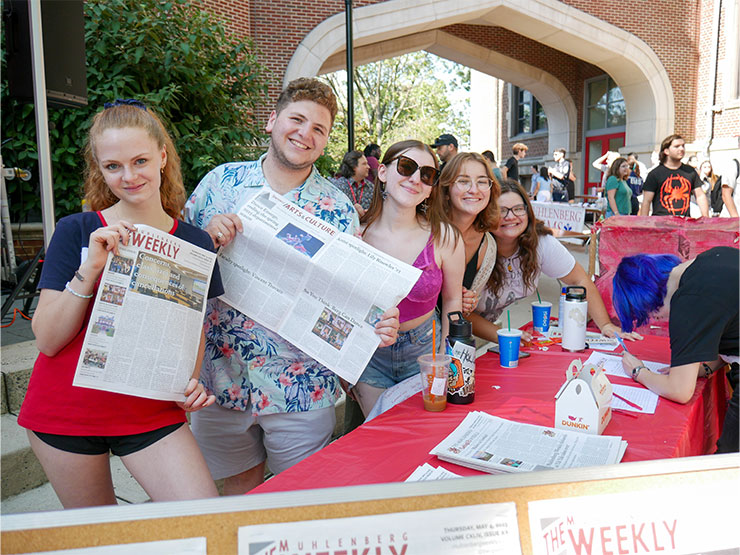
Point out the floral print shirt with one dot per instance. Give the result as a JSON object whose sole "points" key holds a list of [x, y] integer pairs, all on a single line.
{"points": [[243, 360]]}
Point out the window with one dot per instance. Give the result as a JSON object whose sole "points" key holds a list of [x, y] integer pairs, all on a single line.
{"points": [[604, 104], [529, 117]]}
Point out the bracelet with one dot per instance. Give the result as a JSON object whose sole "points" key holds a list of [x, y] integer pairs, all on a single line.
{"points": [[76, 294], [707, 370], [79, 276], [636, 372]]}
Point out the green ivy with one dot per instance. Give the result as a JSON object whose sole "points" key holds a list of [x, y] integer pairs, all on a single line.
{"points": [[172, 55]]}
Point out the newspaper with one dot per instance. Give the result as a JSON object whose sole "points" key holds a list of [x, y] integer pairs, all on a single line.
{"points": [[320, 289], [492, 444], [147, 320], [426, 472]]}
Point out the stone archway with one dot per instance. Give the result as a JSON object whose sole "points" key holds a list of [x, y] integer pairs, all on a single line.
{"points": [[391, 28]]}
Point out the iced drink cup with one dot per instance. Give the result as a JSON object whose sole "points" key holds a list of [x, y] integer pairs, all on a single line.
{"points": [[434, 373], [508, 347], [541, 316]]}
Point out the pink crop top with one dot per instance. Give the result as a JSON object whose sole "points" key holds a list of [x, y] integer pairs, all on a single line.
{"points": [[423, 296]]}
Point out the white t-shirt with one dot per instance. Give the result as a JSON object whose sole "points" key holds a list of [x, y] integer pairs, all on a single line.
{"points": [[554, 260]]}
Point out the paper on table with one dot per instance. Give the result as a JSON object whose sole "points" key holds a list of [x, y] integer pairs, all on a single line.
{"points": [[613, 364], [602, 342], [638, 395], [427, 472]]}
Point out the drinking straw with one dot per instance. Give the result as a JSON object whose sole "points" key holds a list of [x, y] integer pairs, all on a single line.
{"points": [[538, 295], [434, 340], [508, 317]]}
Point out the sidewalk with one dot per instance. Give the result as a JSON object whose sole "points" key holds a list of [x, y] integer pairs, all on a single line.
{"points": [[19, 465]]}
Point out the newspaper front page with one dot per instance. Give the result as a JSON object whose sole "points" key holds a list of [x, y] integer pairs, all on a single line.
{"points": [[147, 319], [319, 288], [492, 444]]}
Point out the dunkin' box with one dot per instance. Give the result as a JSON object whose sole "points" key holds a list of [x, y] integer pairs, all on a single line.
{"points": [[584, 401]]}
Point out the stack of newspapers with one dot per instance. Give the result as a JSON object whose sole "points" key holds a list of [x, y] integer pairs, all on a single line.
{"points": [[492, 444]]}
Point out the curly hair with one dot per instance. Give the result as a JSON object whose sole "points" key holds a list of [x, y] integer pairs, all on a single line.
{"points": [[528, 242], [488, 218], [97, 193], [426, 211], [307, 88]]}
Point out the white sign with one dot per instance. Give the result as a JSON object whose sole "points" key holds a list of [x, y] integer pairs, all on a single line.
{"points": [[561, 215], [477, 529], [688, 520]]}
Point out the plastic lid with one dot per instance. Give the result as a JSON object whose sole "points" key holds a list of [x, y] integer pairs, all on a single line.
{"points": [[575, 293], [459, 326]]}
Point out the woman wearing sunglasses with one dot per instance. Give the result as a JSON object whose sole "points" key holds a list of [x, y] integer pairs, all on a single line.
{"points": [[404, 221], [525, 250]]}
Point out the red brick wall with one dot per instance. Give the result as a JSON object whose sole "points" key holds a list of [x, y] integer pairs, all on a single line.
{"points": [[677, 32]]}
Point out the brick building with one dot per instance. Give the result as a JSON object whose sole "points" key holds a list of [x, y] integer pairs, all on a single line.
{"points": [[585, 75]]}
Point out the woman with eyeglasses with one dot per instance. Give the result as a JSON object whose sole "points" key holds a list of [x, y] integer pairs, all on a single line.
{"points": [[525, 250], [404, 221], [468, 192]]}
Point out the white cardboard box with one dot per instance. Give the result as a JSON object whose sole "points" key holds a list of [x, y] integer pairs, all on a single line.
{"points": [[583, 403]]}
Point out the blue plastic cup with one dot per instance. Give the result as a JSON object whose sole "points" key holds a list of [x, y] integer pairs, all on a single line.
{"points": [[541, 316], [508, 347]]}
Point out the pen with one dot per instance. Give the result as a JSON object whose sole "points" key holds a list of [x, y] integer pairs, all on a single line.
{"points": [[630, 403], [625, 412], [621, 342]]}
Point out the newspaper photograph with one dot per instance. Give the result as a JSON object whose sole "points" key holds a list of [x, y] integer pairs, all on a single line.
{"points": [[492, 444], [320, 289], [147, 320]]}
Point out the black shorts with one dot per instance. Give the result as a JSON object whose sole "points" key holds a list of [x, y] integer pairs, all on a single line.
{"points": [[99, 445]]}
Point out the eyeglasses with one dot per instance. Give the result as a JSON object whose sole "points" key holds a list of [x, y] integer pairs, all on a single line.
{"points": [[466, 184], [518, 210], [407, 167]]}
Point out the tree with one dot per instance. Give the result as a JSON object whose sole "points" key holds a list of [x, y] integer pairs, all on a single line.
{"points": [[172, 55], [399, 98]]}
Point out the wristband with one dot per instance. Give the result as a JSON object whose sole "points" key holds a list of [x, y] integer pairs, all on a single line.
{"points": [[707, 370], [76, 294], [636, 372], [79, 276]]}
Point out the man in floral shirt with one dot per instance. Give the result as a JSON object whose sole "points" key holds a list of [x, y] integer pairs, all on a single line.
{"points": [[273, 401]]}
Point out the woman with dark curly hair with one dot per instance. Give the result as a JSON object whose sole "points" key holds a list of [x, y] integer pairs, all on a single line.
{"points": [[525, 250]]}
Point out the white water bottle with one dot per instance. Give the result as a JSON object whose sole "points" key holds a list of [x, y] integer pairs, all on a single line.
{"points": [[561, 309], [575, 309]]}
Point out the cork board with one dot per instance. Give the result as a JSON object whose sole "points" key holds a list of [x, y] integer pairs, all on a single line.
{"points": [[220, 528]]}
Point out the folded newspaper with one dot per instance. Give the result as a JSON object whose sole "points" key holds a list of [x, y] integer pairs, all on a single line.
{"points": [[492, 444], [319, 288], [427, 472], [147, 320]]}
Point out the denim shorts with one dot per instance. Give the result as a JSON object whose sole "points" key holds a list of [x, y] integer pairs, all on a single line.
{"points": [[393, 364]]}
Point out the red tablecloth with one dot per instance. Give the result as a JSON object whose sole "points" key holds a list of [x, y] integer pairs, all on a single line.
{"points": [[391, 446]]}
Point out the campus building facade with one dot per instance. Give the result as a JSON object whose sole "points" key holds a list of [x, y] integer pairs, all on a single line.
{"points": [[584, 75]]}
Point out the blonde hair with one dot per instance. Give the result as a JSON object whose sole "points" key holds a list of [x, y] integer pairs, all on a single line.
{"points": [[98, 195]]}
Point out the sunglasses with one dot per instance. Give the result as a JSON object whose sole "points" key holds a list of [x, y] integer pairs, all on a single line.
{"points": [[407, 167]]}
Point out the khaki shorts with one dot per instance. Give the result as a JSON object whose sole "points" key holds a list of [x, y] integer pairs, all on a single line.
{"points": [[233, 441]]}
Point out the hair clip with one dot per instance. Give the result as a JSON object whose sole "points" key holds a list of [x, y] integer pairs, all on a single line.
{"points": [[125, 102]]}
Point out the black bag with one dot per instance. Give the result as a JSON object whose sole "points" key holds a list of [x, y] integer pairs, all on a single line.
{"points": [[715, 197]]}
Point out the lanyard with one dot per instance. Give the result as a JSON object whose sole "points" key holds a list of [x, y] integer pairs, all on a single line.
{"points": [[362, 192]]}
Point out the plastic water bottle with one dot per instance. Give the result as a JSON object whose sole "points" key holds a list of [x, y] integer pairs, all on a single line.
{"points": [[461, 347]]}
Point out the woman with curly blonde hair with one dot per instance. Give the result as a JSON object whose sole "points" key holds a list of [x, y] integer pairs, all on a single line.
{"points": [[132, 178]]}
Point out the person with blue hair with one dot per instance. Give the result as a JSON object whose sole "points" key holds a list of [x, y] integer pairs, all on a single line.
{"points": [[700, 299]]}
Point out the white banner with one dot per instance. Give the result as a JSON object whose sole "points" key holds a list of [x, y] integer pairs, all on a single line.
{"points": [[489, 529], [561, 215], [691, 519]]}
